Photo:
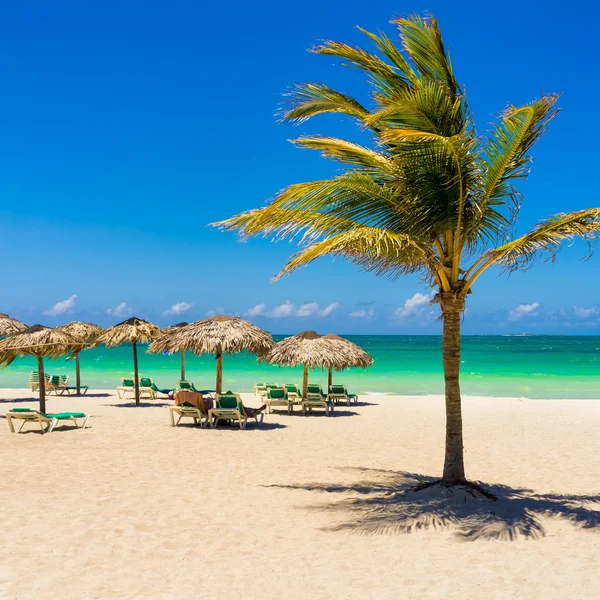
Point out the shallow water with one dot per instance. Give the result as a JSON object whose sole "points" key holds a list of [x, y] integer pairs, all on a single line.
{"points": [[520, 366]]}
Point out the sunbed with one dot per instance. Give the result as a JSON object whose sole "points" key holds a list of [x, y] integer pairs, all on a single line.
{"points": [[34, 380], [49, 419], [128, 386], [339, 392], [187, 410], [230, 407], [293, 393], [57, 384], [315, 398], [278, 397], [188, 385], [148, 382]]}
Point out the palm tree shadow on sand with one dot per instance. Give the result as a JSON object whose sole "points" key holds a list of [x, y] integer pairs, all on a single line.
{"points": [[387, 503]]}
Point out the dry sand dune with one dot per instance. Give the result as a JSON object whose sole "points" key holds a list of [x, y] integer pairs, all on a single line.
{"points": [[303, 507]]}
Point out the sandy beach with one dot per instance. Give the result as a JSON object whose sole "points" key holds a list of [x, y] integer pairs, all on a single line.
{"points": [[302, 507]]}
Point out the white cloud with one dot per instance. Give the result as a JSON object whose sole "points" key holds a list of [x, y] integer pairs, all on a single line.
{"points": [[413, 306], [179, 308], [257, 311], [363, 313], [122, 310], [214, 313], [283, 310], [523, 310], [307, 309], [62, 307], [586, 313], [329, 309]]}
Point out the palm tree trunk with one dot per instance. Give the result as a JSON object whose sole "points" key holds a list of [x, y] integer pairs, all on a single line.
{"points": [[304, 382], [183, 366], [136, 380], [77, 375], [454, 466], [42, 377], [219, 384]]}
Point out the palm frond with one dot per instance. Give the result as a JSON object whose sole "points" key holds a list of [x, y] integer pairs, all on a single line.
{"points": [[309, 99], [506, 154], [372, 249], [545, 240]]}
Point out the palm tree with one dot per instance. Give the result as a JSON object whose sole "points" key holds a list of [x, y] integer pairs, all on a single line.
{"points": [[430, 196]]}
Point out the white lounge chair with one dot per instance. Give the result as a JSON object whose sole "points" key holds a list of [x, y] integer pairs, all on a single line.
{"points": [[50, 420]]}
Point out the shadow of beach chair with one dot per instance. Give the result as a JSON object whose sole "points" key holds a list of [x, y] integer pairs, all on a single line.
{"points": [[50, 420]]}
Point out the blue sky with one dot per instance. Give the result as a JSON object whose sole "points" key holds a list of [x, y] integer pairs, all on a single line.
{"points": [[128, 126]]}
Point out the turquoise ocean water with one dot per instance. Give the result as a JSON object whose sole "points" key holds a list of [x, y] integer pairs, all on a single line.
{"points": [[518, 366]]}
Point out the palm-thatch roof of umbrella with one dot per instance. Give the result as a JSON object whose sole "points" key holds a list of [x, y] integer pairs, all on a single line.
{"points": [[216, 335], [131, 331], [38, 341], [85, 332], [352, 354], [315, 351], [9, 326]]}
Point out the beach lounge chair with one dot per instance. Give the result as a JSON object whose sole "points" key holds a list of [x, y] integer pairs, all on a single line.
{"points": [[338, 393], [57, 384], [188, 385], [293, 393], [148, 382], [262, 392], [315, 398], [229, 407], [34, 380], [50, 420], [128, 386], [188, 410], [278, 397]]}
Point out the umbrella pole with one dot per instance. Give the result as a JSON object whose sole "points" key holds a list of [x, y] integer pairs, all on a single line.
{"points": [[183, 366], [77, 375], [219, 383], [329, 379], [304, 382], [42, 378], [135, 371]]}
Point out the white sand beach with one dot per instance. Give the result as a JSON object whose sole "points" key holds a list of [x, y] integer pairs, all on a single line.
{"points": [[302, 507]]}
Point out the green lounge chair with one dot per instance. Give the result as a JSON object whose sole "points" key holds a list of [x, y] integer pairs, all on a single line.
{"points": [[293, 393], [148, 382], [278, 397], [315, 398], [34, 380], [128, 387], [230, 407], [188, 410], [49, 419], [189, 386], [57, 384], [339, 392]]}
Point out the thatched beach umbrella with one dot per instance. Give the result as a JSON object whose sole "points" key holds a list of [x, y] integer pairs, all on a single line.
{"points": [[86, 333], [169, 331], [353, 355], [8, 325], [38, 341], [131, 331], [309, 349], [217, 335]]}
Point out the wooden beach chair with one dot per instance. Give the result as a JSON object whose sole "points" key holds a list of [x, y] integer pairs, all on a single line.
{"points": [[149, 382], [278, 397], [315, 398], [293, 393], [338, 393], [34, 380], [48, 420], [230, 408]]}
